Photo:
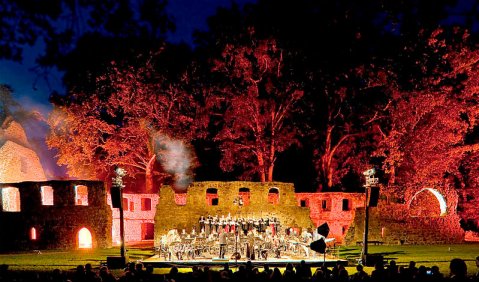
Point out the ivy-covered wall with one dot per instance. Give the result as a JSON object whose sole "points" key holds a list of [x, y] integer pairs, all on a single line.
{"points": [[56, 224]]}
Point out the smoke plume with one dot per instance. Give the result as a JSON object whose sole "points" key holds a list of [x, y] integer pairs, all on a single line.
{"points": [[176, 159]]}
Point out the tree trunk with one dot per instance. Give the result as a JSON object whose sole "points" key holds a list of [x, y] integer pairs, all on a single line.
{"points": [[270, 172], [392, 176], [326, 160], [262, 176], [272, 149], [149, 175]]}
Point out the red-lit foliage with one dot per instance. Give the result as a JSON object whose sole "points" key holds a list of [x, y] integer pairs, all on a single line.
{"points": [[117, 124], [256, 102], [433, 127]]}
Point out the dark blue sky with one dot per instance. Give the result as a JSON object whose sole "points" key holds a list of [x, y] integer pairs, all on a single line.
{"points": [[32, 91]]}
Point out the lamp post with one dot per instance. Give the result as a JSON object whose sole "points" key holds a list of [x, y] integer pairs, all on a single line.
{"points": [[371, 181], [118, 183]]}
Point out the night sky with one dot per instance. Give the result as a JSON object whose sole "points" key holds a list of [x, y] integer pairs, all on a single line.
{"points": [[33, 91]]}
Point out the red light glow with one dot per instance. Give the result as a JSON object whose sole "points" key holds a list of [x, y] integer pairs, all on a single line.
{"points": [[33, 234]]}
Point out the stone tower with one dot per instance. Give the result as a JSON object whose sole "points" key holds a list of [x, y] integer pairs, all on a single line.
{"points": [[18, 162]]}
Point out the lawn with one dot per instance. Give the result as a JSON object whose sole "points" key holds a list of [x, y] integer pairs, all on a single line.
{"points": [[439, 255]]}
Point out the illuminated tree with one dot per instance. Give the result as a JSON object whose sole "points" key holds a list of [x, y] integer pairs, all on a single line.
{"points": [[256, 101], [130, 121], [343, 123], [434, 126]]}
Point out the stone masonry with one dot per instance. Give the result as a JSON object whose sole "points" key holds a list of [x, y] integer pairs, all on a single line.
{"points": [[185, 214], [56, 222]]}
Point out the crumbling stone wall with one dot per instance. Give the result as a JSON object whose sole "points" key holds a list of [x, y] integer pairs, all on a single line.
{"points": [[18, 162], [185, 215], [335, 208], [136, 216], [391, 224], [57, 225]]}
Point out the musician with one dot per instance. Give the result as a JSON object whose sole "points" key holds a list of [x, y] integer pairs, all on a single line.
{"points": [[222, 240], [213, 236], [277, 246], [250, 240], [307, 238], [260, 225], [208, 226], [233, 224], [217, 224], [178, 249], [244, 226], [202, 222]]}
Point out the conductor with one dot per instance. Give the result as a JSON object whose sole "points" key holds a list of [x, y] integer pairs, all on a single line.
{"points": [[222, 239]]}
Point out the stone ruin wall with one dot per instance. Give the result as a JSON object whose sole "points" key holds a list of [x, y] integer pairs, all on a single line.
{"points": [[57, 225], [170, 215], [18, 162], [398, 223], [330, 207], [139, 218]]}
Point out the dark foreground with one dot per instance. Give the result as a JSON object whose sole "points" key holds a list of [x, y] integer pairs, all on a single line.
{"points": [[248, 272]]}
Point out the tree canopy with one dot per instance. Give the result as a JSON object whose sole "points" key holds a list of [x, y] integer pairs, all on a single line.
{"points": [[345, 85]]}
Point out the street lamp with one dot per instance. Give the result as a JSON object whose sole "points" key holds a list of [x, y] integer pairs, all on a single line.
{"points": [[117, 182], [371, 181]]}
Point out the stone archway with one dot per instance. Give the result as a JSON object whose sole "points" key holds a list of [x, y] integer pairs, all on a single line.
{"points": [[85, 240], [428, 202]]}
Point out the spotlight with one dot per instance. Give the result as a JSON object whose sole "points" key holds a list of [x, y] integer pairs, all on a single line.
{"points": [[370, 172]]}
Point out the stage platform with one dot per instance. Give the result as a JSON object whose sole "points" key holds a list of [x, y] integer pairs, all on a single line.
{"points": [[159, 262]]}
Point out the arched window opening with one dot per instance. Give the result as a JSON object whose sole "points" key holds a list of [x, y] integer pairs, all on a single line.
{"points": [[273, 196], [11, 199], [47, 195], [212, 197], [428, 202], [33, 234], [346, 205], [81, 195], [84, 239], [244, 194]]}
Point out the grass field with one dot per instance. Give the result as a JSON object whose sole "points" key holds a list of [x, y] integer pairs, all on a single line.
{"points": [[439, 255]]}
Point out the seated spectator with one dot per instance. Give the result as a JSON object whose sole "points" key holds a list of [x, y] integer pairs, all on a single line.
{"points": [[276, 276], [392, 270], [90, 275], [79, 275], [360, 275], [173, 276], [436, 275], [106, 275], [458, 269], [57, 276], [289, 273], [378, 274]]}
